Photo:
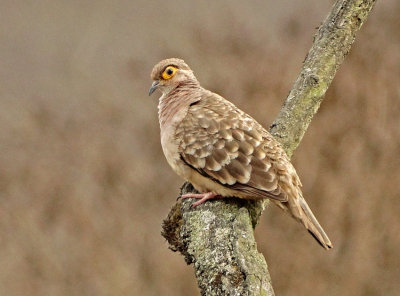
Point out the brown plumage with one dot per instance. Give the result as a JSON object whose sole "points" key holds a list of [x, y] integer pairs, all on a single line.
{"points": [[223, 151]]}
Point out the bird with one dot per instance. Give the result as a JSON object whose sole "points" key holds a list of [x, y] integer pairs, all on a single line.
{"points": [[222, 151]]}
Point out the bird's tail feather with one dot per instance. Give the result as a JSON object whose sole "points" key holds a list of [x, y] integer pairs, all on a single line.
{"points": [[311, 223]]}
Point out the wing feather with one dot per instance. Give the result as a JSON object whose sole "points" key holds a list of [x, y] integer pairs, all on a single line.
{"points": [[225, 144]]}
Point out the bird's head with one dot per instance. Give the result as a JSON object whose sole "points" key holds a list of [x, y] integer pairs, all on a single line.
{"points": [[170, 73]]}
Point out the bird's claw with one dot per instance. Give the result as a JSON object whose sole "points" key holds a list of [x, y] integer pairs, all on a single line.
{"points": [[201, 196]]}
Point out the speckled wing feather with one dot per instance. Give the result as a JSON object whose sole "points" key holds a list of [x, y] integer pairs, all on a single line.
{"points": [[225, 144]]}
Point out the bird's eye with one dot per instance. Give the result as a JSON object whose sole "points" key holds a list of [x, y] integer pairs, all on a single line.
{"points": [[169, 72]]}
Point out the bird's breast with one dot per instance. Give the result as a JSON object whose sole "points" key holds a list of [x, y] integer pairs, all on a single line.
{"points": [[169, 142]]}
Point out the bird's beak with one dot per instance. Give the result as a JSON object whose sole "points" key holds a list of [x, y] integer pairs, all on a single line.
{"points": [[153, 87]]}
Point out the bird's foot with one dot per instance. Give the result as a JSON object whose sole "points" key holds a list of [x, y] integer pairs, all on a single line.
{"points": [[202, 196]]}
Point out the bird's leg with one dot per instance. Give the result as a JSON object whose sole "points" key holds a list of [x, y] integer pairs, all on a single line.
{"points": [[202, 196]]}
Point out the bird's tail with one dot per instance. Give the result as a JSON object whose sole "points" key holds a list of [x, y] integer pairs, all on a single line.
{"points": [[300, 210], [311, 223]]}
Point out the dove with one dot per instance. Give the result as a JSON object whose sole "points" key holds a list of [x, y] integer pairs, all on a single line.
{"points": [[222, 151]]}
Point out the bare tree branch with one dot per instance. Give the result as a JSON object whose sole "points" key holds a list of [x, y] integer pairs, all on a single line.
{"points": [[331, 45], [218, 237]]}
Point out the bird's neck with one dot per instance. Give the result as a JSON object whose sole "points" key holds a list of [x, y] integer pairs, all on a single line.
{"points": [[176, 101]]}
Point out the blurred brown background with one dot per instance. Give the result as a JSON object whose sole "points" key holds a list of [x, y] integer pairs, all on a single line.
{"points": [[83, 182]]}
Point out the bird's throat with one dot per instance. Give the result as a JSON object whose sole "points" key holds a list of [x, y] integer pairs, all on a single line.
{"points": [[176, 102]]}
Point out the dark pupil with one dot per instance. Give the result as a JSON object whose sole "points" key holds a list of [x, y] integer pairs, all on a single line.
{"points": [[169, 71]]}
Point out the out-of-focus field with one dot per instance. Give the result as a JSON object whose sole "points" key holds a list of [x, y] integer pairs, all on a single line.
{"points": [[83, 182]]}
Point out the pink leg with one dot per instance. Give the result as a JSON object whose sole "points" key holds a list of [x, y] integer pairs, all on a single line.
{"points": [[202, 196]]}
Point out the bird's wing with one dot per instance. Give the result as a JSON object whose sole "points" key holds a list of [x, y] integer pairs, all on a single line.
{"points": [[228, 146]]}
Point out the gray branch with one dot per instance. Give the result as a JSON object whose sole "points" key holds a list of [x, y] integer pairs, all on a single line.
{"points": [[331, 45], [218, 236]]}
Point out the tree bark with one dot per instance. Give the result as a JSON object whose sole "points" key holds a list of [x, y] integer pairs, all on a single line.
{"points": [[218, 236]]}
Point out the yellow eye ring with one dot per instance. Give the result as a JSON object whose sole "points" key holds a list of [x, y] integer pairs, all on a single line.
{"points": [[169, 72]]}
